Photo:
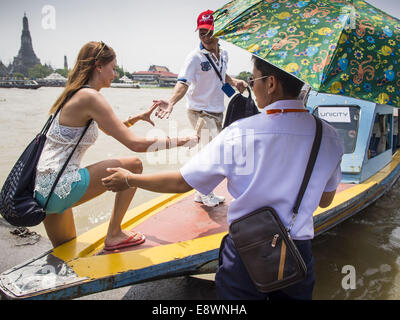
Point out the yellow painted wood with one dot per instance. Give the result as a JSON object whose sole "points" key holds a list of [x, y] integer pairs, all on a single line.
{"points": [[101, 266], [93, 240]]}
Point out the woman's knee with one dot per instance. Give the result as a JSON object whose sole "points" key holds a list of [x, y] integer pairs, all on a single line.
{"points": [[132, 164], [135, 165]]}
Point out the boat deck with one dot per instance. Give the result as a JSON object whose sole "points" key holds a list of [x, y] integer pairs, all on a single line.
{"points": [[181, 221], [186, 220]]}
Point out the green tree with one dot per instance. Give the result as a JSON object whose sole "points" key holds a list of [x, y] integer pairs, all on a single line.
{"points": [[244, 75], [39, 71], [18, 75]]}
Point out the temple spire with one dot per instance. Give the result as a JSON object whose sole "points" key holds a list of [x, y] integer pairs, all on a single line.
{"points": [[25, 25], [26, 56]]}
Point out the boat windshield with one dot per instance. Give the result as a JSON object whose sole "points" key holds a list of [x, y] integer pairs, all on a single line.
{"points": [[345, 119], [381, 135]]}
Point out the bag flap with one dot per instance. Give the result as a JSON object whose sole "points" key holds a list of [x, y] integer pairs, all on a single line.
{"points": [[259, 225]]}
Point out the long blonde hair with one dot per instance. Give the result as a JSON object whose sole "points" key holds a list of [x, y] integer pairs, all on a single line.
{"points": [[90, 53]]}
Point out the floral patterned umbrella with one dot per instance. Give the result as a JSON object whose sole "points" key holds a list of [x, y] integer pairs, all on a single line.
{"points": [[336, 46]]}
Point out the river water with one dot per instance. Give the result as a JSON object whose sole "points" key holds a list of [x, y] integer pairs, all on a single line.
{"points": [[358, 259]]}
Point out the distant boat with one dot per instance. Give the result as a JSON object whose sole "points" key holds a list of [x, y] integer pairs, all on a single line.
{"points": [[53, 80], [20, 84], [125, 83]]}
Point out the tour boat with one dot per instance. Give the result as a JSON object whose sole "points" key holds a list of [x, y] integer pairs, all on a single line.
{"points": [[183, 236], [20, 84]]}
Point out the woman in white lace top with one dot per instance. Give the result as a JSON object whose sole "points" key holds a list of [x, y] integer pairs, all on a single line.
{"points": [[95, 68]]}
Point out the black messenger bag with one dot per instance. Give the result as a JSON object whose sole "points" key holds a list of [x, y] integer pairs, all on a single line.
{"points": [[240, 107], [264, 244]]}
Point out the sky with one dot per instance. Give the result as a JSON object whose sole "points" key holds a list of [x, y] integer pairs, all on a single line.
{"points": [[142, 33]]}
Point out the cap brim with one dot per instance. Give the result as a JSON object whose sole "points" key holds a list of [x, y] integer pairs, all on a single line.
{"points": [[205, 26]]}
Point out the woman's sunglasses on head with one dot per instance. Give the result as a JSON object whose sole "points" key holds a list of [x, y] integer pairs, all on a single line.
{"points": [[103, 45]]}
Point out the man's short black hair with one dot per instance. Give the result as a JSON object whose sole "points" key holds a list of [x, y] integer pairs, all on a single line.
{"points": [[290, 84]]}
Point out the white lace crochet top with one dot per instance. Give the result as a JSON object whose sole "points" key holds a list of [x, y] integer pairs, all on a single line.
{"points": [[59, 144]]}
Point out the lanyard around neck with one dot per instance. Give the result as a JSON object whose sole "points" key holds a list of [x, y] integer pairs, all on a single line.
{"points": [[272, 111], [214, 67]]}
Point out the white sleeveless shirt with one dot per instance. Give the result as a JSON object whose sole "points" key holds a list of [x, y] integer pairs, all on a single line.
{"points": [[58, 146]]}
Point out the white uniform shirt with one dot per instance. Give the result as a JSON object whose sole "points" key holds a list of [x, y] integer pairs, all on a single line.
{"points": [[264, 158], [204, 91]]}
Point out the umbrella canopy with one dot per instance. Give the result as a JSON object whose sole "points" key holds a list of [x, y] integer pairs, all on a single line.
{"points": [[336, 46]]}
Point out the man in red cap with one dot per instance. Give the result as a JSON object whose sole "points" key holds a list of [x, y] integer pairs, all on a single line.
{"points": [[203, 79]]}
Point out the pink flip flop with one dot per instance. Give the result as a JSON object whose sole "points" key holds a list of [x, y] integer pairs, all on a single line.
{"points": [[127, 243]]}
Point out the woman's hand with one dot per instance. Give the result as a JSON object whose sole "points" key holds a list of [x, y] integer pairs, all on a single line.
{"points": [[118, 180], [144, 117]]}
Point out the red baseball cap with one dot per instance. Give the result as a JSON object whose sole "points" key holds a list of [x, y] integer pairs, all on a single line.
{"points": [[205, 20]]}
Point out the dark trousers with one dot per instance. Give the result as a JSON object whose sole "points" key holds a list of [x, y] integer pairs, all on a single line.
{"points": [[234, 283]]}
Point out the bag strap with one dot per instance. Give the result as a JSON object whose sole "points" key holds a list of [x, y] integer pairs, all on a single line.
{"points": [[46, 127], [309, 169], [70, 156], [214, 67], [248, 111], [66, 163]]}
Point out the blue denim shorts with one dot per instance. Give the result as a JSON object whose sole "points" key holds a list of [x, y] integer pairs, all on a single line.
{"points": [[58, 205]]}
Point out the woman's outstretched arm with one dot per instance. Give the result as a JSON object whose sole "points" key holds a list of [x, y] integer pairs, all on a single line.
{"points": [[100, 110], [145, 116]]}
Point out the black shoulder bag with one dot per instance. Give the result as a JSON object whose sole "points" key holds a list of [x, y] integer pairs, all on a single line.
{"points": [[240, 107], [17, 203], [265, 245]]}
